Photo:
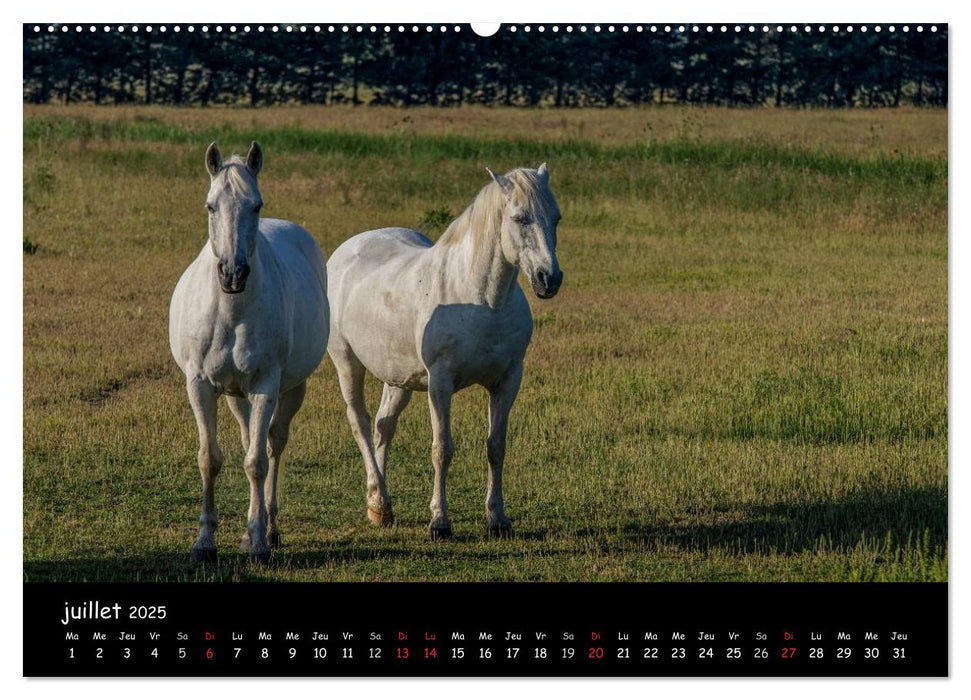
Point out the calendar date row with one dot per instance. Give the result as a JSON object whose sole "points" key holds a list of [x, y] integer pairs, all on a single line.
{"points": [[486, 653]]}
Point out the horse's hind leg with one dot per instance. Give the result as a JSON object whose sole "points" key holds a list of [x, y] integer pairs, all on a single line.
{"points": [[350, 373], [290, 403], [501, 398], [202, 397], [393, 402], [440, 390]]}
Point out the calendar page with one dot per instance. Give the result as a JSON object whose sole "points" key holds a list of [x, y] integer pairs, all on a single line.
{"points": [[379, 349]]}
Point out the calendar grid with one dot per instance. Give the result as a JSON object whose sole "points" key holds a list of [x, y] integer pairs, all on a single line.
{"points": [[480, 629]]}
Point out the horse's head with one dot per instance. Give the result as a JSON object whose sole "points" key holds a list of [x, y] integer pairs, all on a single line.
{"points": [[234, 204], [529, 223]]}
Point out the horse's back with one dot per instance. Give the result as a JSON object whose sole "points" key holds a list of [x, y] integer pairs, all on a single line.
{"points": [[378, 258], [375, 248]]}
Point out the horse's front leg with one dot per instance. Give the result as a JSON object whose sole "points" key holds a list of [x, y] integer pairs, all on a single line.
{"points": [[263, 398], [501, 398], [440, 390], [202, 397]]}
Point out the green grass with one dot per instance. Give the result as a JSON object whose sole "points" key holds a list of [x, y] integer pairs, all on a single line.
{"points": [[744, 376], [423, 150]]}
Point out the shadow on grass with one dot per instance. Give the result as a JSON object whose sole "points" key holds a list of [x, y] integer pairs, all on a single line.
{"points": [[897, 518], [161, 566], [234, 565], [231, 565], [881, 521]]}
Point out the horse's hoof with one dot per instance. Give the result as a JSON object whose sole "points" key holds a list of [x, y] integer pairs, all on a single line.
{"points": [[382, 518], [439, 533], [244, 544], [261, 558], [203, 556], [273, 539], [502, 531]]}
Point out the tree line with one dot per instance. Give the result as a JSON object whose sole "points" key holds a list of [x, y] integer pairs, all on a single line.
{"points": [[445, 68]]}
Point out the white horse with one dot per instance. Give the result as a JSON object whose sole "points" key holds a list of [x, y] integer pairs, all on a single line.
{"points": [[249, 319], [439, 318]]}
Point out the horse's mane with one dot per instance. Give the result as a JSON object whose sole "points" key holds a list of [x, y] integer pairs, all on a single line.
{"points": [[483, 217], [240, 178]]}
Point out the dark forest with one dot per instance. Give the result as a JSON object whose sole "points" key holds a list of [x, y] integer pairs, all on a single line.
{"points": [[425, 65]]}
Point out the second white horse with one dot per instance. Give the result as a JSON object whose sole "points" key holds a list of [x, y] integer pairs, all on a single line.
{"points": [[439, 318]]}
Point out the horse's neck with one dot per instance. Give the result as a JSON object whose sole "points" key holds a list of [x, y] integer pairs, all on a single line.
{"points": [[478, 268]]}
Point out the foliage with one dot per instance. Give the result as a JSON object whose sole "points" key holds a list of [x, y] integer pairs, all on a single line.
{"points": [[436, 220], [564, 69]]}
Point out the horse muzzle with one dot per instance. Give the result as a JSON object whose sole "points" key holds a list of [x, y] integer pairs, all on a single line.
{"points": [[232, 280], [546, 284]]}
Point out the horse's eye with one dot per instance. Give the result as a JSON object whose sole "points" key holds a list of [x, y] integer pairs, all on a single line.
{"points": [[212, 209]]}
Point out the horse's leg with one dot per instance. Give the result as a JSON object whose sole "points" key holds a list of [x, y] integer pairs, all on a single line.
{"points": [[202, 397], [350, 374], [440, 389], [240, 408], [263, 400], [501, 398], [393, 402], [290, 403]]}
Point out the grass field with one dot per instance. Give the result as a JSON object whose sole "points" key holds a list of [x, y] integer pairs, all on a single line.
{"points": [[744, 376]]}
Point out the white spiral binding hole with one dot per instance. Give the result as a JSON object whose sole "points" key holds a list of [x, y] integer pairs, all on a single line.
{"points": [[233, 29], [712, 29], [512, 28]]}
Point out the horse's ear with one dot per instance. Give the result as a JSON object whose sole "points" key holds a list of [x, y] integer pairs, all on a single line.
{"points": [[254, 161], [503, 181], [543, 172], [214, 159]]}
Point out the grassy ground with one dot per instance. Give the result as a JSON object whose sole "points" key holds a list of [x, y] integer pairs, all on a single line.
{"points": [[744, 376]]}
